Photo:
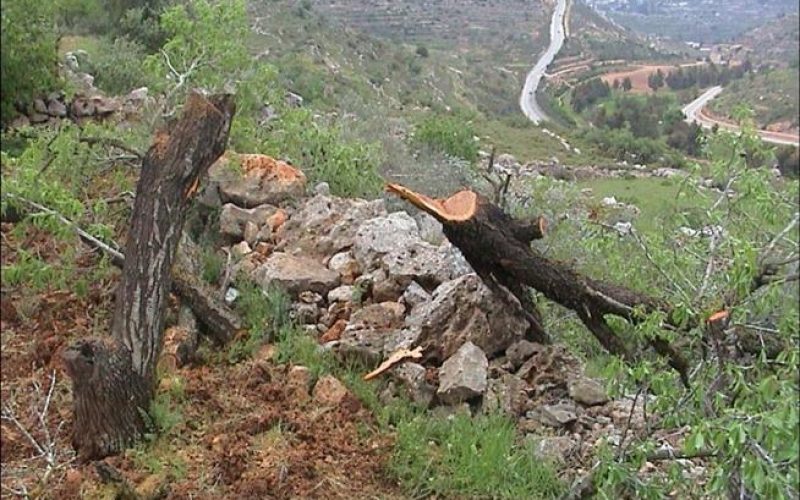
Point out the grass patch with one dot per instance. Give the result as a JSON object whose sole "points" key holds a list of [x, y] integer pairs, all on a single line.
{"points": [[91, 44], [264, 313], [474, 457], [656, 198]]}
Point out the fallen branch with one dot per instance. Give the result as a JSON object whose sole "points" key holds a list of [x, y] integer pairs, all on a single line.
{"points": [[220, 321], [487, 238], [115, 255], [111, 142]]}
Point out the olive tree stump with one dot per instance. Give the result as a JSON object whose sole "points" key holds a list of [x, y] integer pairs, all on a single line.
{"points": [[113, 379], [499, 250]]}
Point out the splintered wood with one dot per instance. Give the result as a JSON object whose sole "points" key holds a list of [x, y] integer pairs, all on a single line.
{"points": [[395, 358]]}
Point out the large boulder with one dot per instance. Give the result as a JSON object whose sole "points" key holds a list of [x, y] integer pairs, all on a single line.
{"points": [[464, 375], [464, 309], [295, 274], [250, 180]]}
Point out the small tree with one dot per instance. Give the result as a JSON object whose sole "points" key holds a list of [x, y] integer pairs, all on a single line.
{"points": [[627, 84], [656, 80]]}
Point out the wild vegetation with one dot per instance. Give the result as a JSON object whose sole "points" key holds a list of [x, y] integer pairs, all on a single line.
{"points": [[771, 93], [361, 123]]}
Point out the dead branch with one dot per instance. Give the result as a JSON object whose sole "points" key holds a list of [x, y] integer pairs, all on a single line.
{"points": [[112, 143], [221, 322]]}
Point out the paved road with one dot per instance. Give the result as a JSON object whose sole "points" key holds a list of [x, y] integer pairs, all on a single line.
{"points": [[694, 113], [527, 100]]}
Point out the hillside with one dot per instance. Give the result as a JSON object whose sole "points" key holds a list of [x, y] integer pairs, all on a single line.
{"points": [[711, 21], [251, 252], [772, 95], [775, 42]]}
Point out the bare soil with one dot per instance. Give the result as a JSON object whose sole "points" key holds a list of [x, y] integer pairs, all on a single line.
{"points": [[242, 433]]}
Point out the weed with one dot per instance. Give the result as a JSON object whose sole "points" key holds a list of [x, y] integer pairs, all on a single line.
{"points": [[265, 314], [469, 457], [165, 413], [212, 265]]}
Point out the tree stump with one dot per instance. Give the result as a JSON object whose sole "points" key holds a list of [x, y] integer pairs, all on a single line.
{"points": [[498, 248], [113, 379]]}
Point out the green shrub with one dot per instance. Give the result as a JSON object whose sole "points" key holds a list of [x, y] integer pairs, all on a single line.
{"points": [[118, 67], [264, 313], [83, 16], [350, 167], [28, 56], [452, 135]]}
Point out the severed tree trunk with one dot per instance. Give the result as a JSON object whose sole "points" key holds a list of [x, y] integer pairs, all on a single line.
{"points": [[498, 248], [114, 379]]}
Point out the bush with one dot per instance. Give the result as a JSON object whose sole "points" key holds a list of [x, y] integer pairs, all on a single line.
{"points": [[118, 68], [452, 135], [83, 17], [28, 56], [350, 167]]}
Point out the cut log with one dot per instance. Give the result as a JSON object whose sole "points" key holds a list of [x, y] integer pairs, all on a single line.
{"points": [[489, 240], [114, 380]]}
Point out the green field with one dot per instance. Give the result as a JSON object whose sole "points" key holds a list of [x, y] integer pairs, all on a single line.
{"points": [[656, 198]]}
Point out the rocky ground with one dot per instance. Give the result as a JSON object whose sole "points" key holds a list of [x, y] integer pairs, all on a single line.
{"points": [[366, 283]]}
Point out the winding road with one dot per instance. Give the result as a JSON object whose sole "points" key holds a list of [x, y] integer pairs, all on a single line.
{"points": [[694, 113], [527, 100]]}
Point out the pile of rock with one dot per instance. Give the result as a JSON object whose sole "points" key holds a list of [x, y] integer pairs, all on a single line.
{"points": [[88, 102], [366, 283]]}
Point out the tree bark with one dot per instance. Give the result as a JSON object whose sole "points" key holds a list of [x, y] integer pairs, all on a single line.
{"points": [[491, 242], [114, 380]]}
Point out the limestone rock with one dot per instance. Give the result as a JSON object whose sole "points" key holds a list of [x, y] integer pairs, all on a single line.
{"points": [[249, 180], [233, 220], [342, 293], [376, 316], [241, 249], [463, 376], [518, 352], [462, 310], [326, 225], [505, 395], [587, 392], [56, 108], [329, 391], [305, 314], [299, 382], [553, 448], [414, 295], [295, 274], [558, 415], [346, 265], [412, 377], [378, 236]]}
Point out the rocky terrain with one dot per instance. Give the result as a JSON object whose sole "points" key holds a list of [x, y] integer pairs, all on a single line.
{"points": [[368, 282]]}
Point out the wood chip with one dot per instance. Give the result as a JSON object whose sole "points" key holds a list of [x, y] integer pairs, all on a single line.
{"points": [[395, 358]]}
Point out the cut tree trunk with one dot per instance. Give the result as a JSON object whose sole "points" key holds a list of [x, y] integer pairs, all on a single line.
{"points": [[500, 251], [114, 379]]}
